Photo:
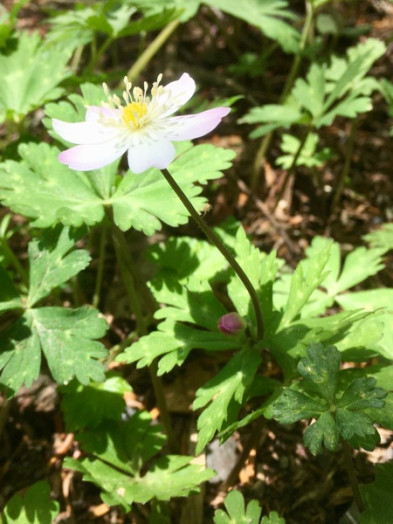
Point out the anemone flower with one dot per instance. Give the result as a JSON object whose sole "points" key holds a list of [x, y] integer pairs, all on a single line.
{"points": [[143, 127]]}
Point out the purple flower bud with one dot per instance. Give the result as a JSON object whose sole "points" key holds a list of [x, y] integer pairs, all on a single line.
{"points": [[231, 324]]}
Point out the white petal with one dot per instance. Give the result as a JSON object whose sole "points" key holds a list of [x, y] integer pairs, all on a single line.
{"points": [[147, 151], [180, 92], [92, 156], [188, 127], [92, 131]]}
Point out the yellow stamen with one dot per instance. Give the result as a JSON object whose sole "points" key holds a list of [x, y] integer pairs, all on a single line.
{"points": [[133, 113]]}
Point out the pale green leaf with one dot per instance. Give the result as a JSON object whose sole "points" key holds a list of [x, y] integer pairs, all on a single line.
{"points": [[118, 455], [310, 93], [41, 188], [269, 16], [143, 201], [236, 512], [30, 76], [35, 506], [304, 283], [67, 340], [381, 238], [20, 355]]}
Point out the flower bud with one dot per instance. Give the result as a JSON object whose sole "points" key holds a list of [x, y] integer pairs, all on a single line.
{"points": [[231, 324]]}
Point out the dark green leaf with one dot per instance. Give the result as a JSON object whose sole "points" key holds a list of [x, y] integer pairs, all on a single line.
{"points": [[323, 431], [320, 367], [293, 405]]}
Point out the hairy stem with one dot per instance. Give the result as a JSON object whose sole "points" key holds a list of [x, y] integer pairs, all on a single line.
{"points": [[215, 240], [100, 268]]}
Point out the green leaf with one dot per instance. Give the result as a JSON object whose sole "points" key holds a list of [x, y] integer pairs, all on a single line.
{"points": [[359, 265], [381, 238], [228, 386], [293, 405], [261, 269], [126, 445], [75, 28], [190, 306], [236, 512], [310, 93], [378, 496], [323, 431], [362, 393], [350, 424], [88, 406], [320, 367], [40, 187], [20, 355], [273, 116], [305, 279], [268, 16], [142, 201], [318, 396], [118, 455], [67, 340], [50, 265], [273, 518], [30, 76], [308, 156], [33, 507], [379, 300], [181, 257]]}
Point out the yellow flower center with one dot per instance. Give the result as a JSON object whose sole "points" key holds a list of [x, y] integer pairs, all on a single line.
{"points": [[133, 114]]}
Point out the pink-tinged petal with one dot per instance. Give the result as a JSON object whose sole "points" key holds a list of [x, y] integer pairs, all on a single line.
{"points": [[147, 152], [180, 92], [82, 132], [193, 126], [92, 156]]}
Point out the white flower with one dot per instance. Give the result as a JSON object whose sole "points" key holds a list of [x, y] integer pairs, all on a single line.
{"points": [[143, 127]]}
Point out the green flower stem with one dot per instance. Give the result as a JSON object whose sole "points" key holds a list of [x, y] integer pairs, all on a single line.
{"points": [[124, 261], [214, 239], [347, 451], [151, 50], [261, 153], [127, 270], [100, 268]]}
